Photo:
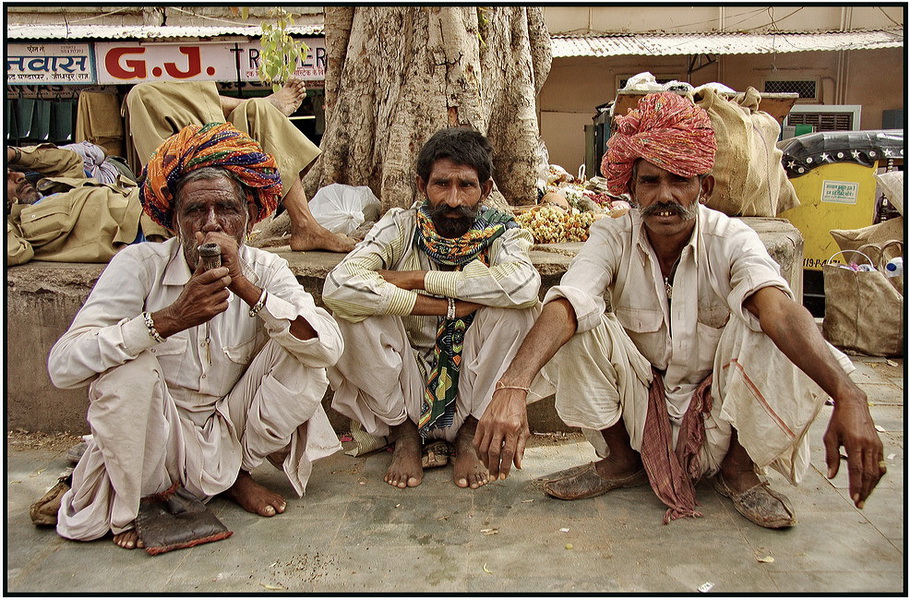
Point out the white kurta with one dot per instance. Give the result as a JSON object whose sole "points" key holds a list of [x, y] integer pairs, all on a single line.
{"points": [[182, 409], [380, 379], [603, 372]]}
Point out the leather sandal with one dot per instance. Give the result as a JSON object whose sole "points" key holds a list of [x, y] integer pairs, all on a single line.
{"points": [[44, 511], [435, 454], [760, 504], [588, 483]]}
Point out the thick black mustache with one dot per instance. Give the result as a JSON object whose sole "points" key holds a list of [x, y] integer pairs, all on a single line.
{"points": [[447, 212]]}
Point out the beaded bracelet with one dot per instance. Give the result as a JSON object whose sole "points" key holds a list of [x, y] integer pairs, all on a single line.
{"points": [[450, 314], [259, 303], [150, 325], [501, 386]]}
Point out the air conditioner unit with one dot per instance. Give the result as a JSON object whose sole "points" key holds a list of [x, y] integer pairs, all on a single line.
{"points": [[836, 117]]}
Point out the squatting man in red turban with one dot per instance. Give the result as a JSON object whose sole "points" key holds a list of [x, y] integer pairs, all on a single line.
{"points": [[706, 366], [196, 376]]}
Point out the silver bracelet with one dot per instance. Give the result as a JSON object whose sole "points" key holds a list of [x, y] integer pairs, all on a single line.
{"points": [[259, 303], [450, 314], [150, 325]]}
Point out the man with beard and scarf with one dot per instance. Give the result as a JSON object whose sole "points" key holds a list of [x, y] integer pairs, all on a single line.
{"points": [[195, 376], [706, 366], [433, 304]]}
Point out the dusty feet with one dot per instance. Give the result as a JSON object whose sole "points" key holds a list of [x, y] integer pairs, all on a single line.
{"points": [[319, 238], [469, 470], [289, 97], [406, 469], [255, 498], [128, 539]]}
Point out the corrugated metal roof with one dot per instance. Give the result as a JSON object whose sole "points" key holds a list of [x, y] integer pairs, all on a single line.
{"points": [[652, 44], [722, 43], [141, 32]]}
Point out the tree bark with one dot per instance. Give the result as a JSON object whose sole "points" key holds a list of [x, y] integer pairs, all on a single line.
{"points": [[396, 75]]}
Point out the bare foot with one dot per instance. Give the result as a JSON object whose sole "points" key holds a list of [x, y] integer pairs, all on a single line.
{"points": [[255, 498], [406, 469], [312, 238], [289, 97], [469, 469], [128, 539]]}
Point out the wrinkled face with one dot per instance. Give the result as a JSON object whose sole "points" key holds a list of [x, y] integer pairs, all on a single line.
{"points": [[19, 190], [668, 203], [454, 193], [210, 205]]}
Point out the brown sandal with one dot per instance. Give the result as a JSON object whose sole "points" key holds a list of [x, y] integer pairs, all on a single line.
{"points": [[760, 504], [588, 483], [435, 454], [44, 511]]}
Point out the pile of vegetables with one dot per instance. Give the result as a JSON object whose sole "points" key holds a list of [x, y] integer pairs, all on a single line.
{"points": [[568, 206]]}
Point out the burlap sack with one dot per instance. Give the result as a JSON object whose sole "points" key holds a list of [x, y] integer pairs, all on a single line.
{"points": [[863, 311], [880, 233], [750, 179]]}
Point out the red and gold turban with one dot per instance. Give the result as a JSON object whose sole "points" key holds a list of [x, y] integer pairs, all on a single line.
{"points": [[666, 130], [211, 145]]}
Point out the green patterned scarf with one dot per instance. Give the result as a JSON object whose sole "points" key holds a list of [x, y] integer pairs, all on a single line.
{"points": [[438, 406]]}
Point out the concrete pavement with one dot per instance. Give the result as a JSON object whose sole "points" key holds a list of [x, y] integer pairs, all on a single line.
{"points": [[353, 534]]}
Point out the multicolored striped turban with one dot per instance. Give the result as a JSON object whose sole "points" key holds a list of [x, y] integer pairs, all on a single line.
{"points": [[211, 145], [666, 130]]}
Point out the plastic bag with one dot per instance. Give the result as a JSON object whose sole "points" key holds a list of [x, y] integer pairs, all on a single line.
{"points": [[343, 208]]}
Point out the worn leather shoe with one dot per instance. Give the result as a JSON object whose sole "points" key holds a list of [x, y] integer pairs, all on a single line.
{"points": [[760, 504], [44, 511], [588, 483]]}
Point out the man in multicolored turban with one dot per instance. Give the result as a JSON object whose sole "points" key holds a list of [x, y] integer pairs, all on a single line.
{"points": [[705, 367], [198, 367], [432, 306]]}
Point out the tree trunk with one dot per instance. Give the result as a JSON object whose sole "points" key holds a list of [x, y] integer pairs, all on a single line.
{"points": [[396, 75]]}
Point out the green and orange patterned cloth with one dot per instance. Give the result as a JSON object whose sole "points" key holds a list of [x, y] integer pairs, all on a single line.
{"points": [[438, 405], [210, 145]]}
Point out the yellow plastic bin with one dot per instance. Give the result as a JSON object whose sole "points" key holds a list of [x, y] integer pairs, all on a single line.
{"points": [[833, 175]]}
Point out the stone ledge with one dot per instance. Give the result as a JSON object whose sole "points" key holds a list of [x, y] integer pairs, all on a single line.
{"points": [[43, 297]]}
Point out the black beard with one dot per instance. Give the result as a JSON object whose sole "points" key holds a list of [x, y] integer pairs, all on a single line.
{"points": [[687, 214], [452, 227]]}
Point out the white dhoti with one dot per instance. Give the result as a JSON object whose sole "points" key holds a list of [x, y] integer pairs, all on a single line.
{"points": [[378, 381], [144, 441], [599, 376]]}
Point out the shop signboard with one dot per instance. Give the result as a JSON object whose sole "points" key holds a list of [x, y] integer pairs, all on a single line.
{"points": [[54, 64], [312, 69], [135, 62]]}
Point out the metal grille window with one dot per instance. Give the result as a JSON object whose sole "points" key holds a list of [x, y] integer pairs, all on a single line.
{"points": [[806, 88], [823, 121]]}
